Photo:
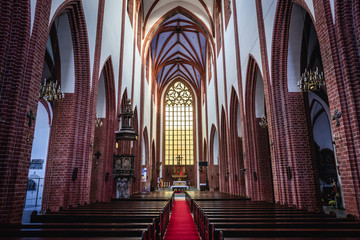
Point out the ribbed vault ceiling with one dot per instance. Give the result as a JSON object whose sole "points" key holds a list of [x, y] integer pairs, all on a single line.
{"points": [[179, 50]]}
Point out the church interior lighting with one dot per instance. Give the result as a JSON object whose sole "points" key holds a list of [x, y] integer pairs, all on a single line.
{"points": [[51, 91], [311, 80]]}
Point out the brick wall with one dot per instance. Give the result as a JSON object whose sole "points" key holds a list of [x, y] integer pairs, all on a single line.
{"points": [[19, 93], [264, 169]]}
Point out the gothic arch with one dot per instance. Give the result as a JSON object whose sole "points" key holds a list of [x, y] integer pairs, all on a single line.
{"points": [[104, 138], [214, 168], [257, 142], [289, 113], [155, 28], [224, 167], [146, 140], [236, 154], [71, 192]]}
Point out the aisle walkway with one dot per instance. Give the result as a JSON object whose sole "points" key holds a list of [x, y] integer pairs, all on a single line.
{"points": [[181, 225]]}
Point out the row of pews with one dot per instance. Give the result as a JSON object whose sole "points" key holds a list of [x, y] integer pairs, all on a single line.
{"points": [[144, 216], [222, 216]]}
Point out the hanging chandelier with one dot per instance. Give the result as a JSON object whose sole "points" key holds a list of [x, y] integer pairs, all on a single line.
{"points": [[98, 122], [263, 122], [311, 81], [51, 91], [127, 131]]}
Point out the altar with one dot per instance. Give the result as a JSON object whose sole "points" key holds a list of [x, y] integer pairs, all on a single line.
{"points": [[179, 177], [179, 186]]}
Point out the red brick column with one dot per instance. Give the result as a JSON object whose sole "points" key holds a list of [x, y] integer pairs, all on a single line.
{"points": [[347, 73], [61, 155], [98, 164], [21, 55], [291, 134]]}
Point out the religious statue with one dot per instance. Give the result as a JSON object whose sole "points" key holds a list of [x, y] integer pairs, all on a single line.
{"points": [[123, 187]]}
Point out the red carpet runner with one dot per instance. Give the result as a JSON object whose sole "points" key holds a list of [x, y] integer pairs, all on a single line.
{"points": [[181, 225]]}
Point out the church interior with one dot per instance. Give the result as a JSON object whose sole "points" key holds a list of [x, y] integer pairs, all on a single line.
{"points": [[237, 115]]}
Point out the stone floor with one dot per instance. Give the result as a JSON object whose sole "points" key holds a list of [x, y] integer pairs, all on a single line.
{"points": [[340, 213]]}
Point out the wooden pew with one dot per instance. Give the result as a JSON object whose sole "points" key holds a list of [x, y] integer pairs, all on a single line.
{"points": [[232, 233], [232, 218], [58, 232], [139, 219], [350, 229]]}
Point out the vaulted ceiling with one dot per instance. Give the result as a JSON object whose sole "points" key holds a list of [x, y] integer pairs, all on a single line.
{"points": [[154, 10], [179, 50]]}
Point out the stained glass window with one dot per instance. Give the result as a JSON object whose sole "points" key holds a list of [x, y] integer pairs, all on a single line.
{"points": [[179, 140]]}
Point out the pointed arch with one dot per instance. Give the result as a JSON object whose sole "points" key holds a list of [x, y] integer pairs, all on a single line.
{"points": [[213, 134], [224, 167], [236, 152], [76, 191], [147, 148], [109, 147]]}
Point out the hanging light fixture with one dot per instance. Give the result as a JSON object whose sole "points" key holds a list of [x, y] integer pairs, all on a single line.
{"points": [[311, 80], [98, 122], [263, 123], [127, 132], [51, 91]]}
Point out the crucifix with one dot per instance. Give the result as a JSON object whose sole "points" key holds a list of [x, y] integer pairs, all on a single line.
{"points": [[97, 154], [30, 115], [336, 116]]}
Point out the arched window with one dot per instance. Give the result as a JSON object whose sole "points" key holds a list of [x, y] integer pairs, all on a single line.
{"points": [[179, 125]]}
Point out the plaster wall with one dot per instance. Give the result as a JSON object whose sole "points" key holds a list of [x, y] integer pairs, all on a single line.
{"points": [[91, 14], [154, 135], [41, 138], [310, 5], [127, 57], [248, 36], [147, 104], [216, 150], [230, 59], [269, 10], [259, 97], [294, 47], [101, 98], [66, 54], [203, 118], [211, 118], [137, 80], [110, 45], [33, 7], [238, 119], [55, 4], [220, 82], [332, 5]]}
